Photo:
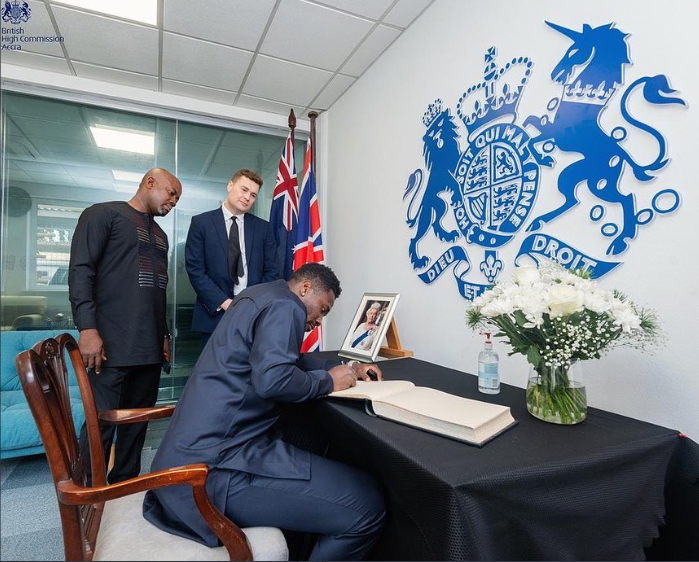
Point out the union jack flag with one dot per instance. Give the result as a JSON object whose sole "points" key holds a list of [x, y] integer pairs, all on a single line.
{"points": [[283, 216], [309, 241]]}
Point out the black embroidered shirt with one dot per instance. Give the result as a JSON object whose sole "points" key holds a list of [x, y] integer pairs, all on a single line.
{"points": [[117, 281]]}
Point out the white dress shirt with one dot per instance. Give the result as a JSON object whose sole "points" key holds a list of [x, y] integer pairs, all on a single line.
{"points": [[228, 217]]}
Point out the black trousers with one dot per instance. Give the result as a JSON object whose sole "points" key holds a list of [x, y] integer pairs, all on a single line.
{"points": [[122, 387]]}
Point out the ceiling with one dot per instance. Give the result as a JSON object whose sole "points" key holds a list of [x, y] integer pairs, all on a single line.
{"points": [[258, 54], [51, 153]]}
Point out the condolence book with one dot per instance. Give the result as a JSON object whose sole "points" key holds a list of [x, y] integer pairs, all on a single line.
{"points": [[470, 421]]}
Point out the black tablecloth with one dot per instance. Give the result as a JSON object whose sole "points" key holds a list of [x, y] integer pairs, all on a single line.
{"points": [[539, 491]]}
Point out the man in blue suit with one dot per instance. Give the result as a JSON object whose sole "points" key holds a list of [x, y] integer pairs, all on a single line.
{"points": [[219, 265], [229, 418]]}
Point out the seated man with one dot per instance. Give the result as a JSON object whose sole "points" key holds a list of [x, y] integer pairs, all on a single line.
{"points": [[226, 417]]}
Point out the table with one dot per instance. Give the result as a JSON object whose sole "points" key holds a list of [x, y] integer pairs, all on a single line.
{"points": [[539, 491]]}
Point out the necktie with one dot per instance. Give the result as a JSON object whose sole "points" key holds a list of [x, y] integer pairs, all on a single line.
{"points": [[235, 259]]}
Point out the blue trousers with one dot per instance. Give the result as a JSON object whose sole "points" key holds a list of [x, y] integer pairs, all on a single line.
{"points": [[342, 504]]}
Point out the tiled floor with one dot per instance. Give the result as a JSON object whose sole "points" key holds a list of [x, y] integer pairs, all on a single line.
{"points": [[30, 527]]}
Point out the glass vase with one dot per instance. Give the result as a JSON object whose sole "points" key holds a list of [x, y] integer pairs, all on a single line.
{"points": [[557, 394]]}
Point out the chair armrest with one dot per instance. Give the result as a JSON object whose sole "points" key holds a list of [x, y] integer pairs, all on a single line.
{"points": [[228, 532], [135, 415], [72, 494]]}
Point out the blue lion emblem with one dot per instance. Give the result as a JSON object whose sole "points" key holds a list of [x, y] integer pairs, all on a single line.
{"points": [[591, 71], [491, 184], [441, 147]]}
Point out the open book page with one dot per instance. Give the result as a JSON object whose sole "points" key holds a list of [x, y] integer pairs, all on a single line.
{"points": [[446, 407], [471, 421], [373, 390]]}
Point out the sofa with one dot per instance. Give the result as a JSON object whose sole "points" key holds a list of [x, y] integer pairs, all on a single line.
{"points": [[19, 435]]}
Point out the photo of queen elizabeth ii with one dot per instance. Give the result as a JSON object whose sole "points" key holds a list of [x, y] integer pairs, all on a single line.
{"points": [[369, 325]]}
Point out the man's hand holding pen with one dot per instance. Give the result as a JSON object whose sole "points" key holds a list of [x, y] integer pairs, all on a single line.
{"points": [[346, 375]]}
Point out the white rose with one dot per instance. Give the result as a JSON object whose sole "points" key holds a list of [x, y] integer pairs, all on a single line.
{"points": [[564, 300], [526, 275]]}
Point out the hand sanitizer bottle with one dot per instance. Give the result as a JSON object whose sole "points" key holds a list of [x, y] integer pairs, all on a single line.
{"points": [[488, 375]]}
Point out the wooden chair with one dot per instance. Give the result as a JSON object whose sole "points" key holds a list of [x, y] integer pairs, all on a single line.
{"points": [[105, 522]]}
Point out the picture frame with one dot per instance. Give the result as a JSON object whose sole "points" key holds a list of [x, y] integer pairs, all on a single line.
{"points": [[369, 326]]}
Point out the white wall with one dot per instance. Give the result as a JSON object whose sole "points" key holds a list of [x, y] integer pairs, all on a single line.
{"points": [[374, 143]]}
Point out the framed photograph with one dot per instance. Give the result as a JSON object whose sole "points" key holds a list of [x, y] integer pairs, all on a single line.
{"points": [[369, 326]]}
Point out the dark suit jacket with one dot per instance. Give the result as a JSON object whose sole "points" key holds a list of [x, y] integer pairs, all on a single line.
{"points": [[206, 260], [231, 402]]}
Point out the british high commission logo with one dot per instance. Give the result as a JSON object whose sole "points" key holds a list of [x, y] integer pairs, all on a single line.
{"points": [[14, 36], [15, 12], [490, 182]]}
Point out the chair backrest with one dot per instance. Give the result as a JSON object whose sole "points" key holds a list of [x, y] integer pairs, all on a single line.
{"points": [[44, 378]]}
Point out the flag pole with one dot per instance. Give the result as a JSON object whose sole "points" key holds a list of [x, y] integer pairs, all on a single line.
{"points": [[312, 116], [292, 123]]}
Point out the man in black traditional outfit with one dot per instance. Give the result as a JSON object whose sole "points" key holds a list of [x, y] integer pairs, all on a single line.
{"points": [[117, 280]]}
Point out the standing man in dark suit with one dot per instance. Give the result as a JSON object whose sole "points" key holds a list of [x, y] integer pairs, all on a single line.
{"points": [[221, 265]]}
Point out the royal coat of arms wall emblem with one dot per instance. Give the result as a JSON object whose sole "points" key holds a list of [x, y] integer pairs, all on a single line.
{"points": [[491, 183], [15, 12]]}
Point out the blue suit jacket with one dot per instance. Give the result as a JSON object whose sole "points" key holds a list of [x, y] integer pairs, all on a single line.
{"points": [[206, 260], [227, 413]]}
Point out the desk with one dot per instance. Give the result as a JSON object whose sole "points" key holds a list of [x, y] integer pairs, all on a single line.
{"points": [[593, 491]]}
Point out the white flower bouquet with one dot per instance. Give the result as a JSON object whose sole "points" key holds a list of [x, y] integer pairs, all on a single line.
{"points": [[557, 317]]}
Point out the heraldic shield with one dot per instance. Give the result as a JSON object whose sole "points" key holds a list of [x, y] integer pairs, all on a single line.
{"points": [[498, 184]]}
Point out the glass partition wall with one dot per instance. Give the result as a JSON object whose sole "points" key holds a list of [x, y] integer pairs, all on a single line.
{"points": [[60, 157]]}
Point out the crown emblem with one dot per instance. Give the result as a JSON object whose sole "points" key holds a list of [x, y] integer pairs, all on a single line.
{"points": [[433, 111], [486, 101]]}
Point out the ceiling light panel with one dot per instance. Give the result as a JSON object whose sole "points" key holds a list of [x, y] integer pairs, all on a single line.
{"points": [[144, 11], [128, 140], [121, 175]]}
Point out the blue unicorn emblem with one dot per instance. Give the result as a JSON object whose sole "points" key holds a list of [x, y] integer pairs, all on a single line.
{"points": [[591, 71]]}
